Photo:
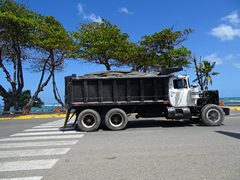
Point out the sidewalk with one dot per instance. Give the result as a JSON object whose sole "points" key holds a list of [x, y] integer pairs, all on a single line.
{"points": [[33, 115]]}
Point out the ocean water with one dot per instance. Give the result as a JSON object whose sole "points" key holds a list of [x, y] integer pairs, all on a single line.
{"points": [[232, 101], [45, 108]]}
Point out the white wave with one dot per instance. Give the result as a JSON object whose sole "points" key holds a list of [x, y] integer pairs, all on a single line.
{"points": [[52, 105]]}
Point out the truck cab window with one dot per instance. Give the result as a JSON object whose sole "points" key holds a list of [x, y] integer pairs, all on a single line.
{"points": [[179, 83]]}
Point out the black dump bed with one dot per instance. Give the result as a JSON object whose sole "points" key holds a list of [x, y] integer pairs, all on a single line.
{"points": [[113, 87]]}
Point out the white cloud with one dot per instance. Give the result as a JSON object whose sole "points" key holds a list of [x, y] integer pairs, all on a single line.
{"points": [[80, 8], [125, 10], [237, 65], [229, 57], [227, 32], [213, 57], [233, 59], [232, 18], [91, 17]]}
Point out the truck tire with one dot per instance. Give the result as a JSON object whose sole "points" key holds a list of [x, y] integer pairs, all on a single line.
{"points": [[116, 119], [88, 120], [212, 115]]}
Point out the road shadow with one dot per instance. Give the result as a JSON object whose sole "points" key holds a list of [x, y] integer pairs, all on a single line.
{"points": [[158, 123], [231, 134], [146, 123], [133, 124]]}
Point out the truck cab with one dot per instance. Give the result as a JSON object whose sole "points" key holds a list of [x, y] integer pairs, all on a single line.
{"points": [[180, 93]]}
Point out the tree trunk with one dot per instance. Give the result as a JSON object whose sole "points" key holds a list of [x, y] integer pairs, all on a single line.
{"points": [[7, 106], [10, 101], [134, 66], [55, 91], [108, 67], [40, 87], [4, 94], [32, 99], [106, 63], [15, 104], [199, 73]]}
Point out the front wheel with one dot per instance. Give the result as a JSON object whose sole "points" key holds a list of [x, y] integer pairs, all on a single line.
{"points": [[212, 115], [88, 120], [116, 119]]}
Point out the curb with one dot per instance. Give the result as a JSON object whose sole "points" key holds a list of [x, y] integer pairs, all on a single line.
{"points": [[34, 116], [235, 108]]}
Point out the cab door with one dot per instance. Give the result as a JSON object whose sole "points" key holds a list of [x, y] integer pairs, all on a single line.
{"points": [[179, 91]]}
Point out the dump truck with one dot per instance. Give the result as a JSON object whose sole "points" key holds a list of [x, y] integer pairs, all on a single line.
{"points": [[109, 97]]}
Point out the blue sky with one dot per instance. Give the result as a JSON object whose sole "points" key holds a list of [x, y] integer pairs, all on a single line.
{"points": [[216, 36]]}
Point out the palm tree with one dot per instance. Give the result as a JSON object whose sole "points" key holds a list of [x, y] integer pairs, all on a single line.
{"points": [[204, 70], [207, 67]]}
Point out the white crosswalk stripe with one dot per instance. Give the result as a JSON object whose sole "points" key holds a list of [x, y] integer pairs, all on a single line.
{"points": [[47, 126], [38, 144], [46, 140], [27, 165], [43, 129], [49, 129], [44, 133], [25, 178], [54, 125], [35, 152], [42, 137]]}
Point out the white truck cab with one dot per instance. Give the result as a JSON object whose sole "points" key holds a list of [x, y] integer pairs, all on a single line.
{"points": [[180, 93]]}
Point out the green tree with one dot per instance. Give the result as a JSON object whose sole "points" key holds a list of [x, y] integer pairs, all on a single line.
{"points": [[204, 73], [38, 40], [165, 43], [100, 43], [137, 57], [52, 45], [207, 73], [24, 97], [17, 29]]}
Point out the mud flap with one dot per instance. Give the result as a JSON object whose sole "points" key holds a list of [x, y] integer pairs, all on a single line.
{"points": [[226, 111]]}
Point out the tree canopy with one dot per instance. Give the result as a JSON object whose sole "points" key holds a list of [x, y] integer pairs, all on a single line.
{"points": [[38, 40], [165, 44], [138, 58], [100, 43], [204, 72]]}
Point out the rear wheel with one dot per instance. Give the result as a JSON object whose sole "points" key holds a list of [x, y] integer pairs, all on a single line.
{"points": [[116, 119], [212, 115], [88, 120]]}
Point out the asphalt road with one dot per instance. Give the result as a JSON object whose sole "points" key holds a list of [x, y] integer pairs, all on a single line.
{"points": [[147, 149]]}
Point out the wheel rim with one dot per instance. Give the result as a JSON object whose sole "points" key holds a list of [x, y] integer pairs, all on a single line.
{"points": [[213, 115], [88, 120], [116, 120]]}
